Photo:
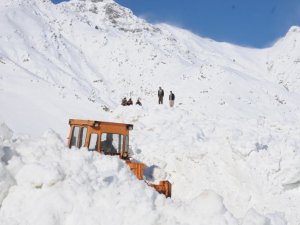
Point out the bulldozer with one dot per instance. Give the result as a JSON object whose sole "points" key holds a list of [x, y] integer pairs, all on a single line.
{"points": [[112, 139]]}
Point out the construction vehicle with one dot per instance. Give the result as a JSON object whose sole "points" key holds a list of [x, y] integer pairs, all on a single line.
{"points": [[111, 139]]}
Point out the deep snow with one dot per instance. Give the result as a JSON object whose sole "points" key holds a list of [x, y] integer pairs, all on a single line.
{"points": [[43, 182], [230, 146]]}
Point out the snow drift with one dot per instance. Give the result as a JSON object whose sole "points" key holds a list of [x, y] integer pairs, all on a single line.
{"points": [[51, 184]]}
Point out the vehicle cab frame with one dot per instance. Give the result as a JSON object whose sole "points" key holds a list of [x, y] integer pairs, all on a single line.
{"points": [[104, 137]]}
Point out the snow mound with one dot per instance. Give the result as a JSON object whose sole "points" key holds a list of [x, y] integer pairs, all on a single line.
{"points": [[46, 182]]}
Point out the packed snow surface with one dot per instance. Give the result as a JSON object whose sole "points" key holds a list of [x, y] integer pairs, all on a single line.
{"points": [[230, 146]]}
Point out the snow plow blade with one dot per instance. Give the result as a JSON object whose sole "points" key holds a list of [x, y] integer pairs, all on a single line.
{"points": [[164, 187], [137, 169]]}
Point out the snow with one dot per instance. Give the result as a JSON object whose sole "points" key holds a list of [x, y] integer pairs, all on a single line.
{"points": [[230, 146], [61, 186]]}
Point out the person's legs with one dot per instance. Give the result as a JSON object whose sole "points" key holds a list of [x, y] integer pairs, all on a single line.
{"points": [[171, 103], [160, 100]]}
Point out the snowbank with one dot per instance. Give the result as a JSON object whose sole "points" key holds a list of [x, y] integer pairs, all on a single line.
{"points": [[44, 182]]}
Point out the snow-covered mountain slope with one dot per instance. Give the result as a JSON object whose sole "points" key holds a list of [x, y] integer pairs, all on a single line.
{"points": [[234, 129], [283, 61]]}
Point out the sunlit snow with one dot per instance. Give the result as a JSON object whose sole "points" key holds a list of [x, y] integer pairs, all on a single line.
{"points": [[230, 146]]}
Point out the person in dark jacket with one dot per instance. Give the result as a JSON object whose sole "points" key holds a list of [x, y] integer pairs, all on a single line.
{"points": [[160, 95], [124, 102], [171, 99], [138, 102], [129, 102], [107, 145]]}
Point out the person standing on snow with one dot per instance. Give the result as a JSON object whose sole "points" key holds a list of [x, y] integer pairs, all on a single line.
{"points": [[160, 95], [171, 99]]}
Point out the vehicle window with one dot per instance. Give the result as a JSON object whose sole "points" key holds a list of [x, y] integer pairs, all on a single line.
{"points": [[93, 142], [127, 144], [111, 143], [75, 136], [83, 136]]}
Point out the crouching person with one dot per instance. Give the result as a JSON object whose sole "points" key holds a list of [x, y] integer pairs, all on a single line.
{"points": [[124, 101]]}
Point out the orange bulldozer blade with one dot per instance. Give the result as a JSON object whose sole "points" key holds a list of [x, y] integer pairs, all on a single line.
{"points": [[137, 169], [164, 187]]}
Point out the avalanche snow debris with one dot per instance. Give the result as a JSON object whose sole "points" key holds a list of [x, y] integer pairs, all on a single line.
{"points": [[234, 148], [55, 185]]}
